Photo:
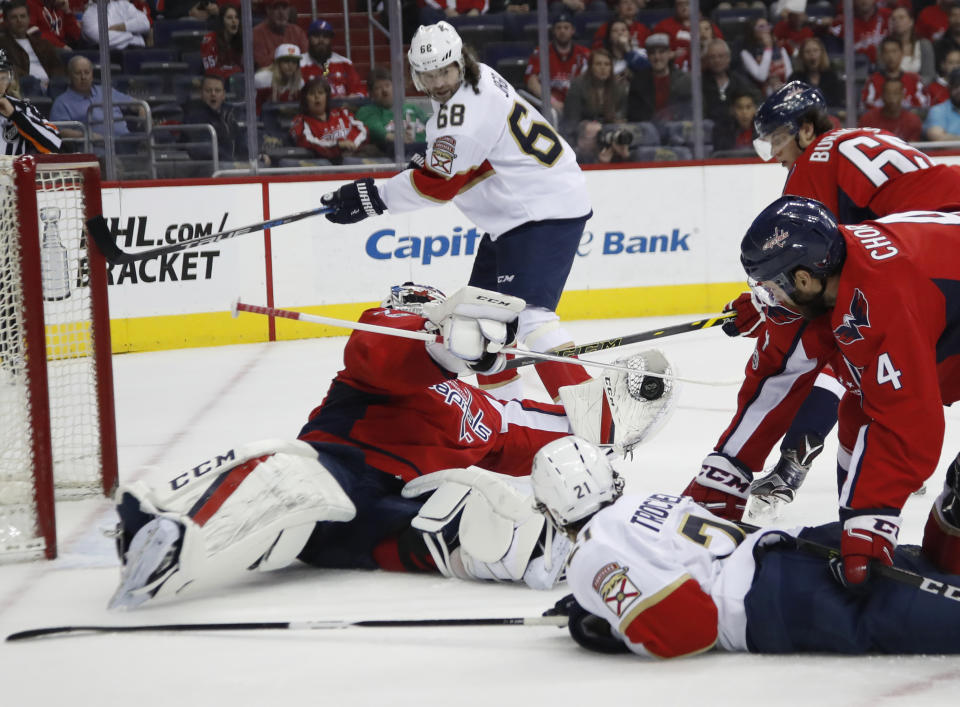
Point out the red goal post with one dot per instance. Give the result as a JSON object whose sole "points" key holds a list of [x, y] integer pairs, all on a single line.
{"points": [[57, 426]]}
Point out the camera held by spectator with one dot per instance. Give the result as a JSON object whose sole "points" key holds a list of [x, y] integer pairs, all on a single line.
{"points": [[615, 136]]}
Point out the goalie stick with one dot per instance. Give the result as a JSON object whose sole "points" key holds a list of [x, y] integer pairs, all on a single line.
{"points": [[107, 244], [558, 621], [239, 306], [618, 341]]}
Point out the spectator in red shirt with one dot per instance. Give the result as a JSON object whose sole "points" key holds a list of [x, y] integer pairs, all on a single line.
{"points": [[330, 132], [892, 116], [322, 62], [56, 22], [939, 90], [678, 29], [932, 21], [766, 62], [281, 83], [567, 61], [891, 54], [222, 49], [625, 11], [453, 8], [917, 51], [274, 31], [792, 30], [870, 26]]}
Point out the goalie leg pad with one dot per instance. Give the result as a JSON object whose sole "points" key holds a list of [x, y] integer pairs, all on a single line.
{"points": [[254, 513]]}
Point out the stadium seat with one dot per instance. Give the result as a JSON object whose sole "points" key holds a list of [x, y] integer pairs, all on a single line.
{"points": [[680, 132], [461, 21], [194, 62], [134, 57], [188, 40], [512, 69], [654, 15], [644, 133], [164, 29], [582, 19], [478, 36], [660, 154], [495, 51]]}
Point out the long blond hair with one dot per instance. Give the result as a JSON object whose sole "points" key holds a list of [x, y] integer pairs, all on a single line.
{"points": [[277, 84]]}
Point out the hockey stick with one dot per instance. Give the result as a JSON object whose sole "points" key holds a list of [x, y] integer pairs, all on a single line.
{"points": [[107, 244], [895, 574], [619, 341], [239, 306], [558, 621]]}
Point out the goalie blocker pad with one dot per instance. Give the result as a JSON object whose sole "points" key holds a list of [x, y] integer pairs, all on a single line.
{"points": [[251, 508], [481, 525]]}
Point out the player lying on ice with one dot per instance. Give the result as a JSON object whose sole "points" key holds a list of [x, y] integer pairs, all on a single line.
{"points": [[379, 476], [658, 575]]}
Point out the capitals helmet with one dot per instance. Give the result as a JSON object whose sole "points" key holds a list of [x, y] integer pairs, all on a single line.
{"points": [[780, 116]]}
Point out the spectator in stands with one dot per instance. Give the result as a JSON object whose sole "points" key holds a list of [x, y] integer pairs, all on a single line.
{"points": [[567, 61], [329, 132], [322, 62], [34, 59], [211, 110], [767, 63], [794, 26], [917, 51], [202, 10], [950, 39], [627, 56], [943, 120], [56, 22], [891, 55], [625, 11], [661, 91], [735, 131], [892, 116], [938, 91], [274, 31], [281, 83], [222, 50], [595, 96], [74, 103], [870, 25], [932, 21], [720, 82], [814, 68], [599, 144], [126, 24], [677, 28], [378, 114], [435, 10]]}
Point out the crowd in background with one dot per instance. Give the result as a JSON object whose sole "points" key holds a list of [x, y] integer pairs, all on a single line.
{"points": [[620, 86]]}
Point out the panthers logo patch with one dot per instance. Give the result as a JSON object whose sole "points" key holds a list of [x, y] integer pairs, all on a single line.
{"points": [[443, 153], [615, 588]]}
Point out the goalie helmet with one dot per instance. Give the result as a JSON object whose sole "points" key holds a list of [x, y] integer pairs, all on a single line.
{"points": [[792, 232], [409, 297], [779, 117], [572, 479], [434, 47]]}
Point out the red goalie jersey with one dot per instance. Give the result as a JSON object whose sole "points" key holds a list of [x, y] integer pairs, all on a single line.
{"points": [[407, 416]]}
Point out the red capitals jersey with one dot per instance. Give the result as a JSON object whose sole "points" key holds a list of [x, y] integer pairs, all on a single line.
{"points": [[913, 94], [407, 416], [323, 136], [867, 34], [680, 39], [339, 73], [563, 69], [58, 28], [937, 92], [213, 63], [638, 31]]}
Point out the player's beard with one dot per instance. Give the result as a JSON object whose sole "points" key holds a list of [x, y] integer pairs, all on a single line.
{"points": [[811, 306]]}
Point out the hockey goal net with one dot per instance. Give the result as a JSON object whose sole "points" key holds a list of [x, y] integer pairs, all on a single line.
{"points": [[57, 430]]}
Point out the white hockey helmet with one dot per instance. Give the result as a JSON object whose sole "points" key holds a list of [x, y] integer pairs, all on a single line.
{"points": [[572, 479], [434, 47], [410, 297]]}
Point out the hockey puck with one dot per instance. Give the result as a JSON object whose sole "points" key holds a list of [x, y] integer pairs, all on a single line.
{"points": [[651, 388]]}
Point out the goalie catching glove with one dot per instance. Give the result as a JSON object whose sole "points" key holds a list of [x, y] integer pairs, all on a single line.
{"points": [[475, 325], [354, 202]]}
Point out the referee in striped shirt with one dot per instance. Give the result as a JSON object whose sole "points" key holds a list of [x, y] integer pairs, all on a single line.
{"points": [[22, 128]]}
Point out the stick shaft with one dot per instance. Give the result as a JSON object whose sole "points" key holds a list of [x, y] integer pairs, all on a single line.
{"points": [[619, 341], [558, 621], [97, 226]]}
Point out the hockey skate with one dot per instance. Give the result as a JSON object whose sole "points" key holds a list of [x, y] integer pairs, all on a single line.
{"points": [[151, 560], [779, 486]]}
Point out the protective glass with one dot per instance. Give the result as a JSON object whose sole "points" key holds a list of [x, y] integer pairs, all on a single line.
{"points": [[767, 146]]}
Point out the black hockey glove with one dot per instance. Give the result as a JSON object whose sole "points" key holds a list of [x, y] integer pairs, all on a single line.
{"points": [[591, 632], [417, 161], [354, 202]]}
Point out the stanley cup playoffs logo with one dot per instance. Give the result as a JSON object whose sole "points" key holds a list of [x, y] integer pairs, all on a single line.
{"points": [[54, 260]]}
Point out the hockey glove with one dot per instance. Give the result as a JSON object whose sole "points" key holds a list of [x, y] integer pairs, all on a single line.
{"points": [[354, 202], [591, 632], [722, 487], [417, 161], [867, 537], [749, 317]]}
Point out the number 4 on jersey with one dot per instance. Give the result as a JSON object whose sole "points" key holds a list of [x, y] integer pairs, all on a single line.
{"points": [[887, 373]]}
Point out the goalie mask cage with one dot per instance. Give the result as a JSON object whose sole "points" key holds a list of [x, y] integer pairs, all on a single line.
{"points": [[57, 428]]}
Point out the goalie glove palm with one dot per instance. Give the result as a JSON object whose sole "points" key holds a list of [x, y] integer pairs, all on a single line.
{"points": [[354, 202]]}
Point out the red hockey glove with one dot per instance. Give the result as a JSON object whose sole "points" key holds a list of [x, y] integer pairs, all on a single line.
{"points": [[866, 537], [721, 487], [749, 316]]}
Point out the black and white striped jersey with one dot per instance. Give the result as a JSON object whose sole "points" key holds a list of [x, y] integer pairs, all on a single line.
{"points": [[27, 131]]}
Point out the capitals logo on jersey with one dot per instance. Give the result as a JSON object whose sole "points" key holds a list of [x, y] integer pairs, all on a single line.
{"points": [[857, 317], [615, 588]]}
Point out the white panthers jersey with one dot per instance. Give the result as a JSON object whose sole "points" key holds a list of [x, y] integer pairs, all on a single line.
{"points": [[667, 575], [496, 157]]}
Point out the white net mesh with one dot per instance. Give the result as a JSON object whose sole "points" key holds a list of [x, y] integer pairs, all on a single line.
{"points": [[71, 372]]}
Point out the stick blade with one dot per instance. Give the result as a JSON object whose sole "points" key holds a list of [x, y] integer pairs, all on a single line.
{"points": [[100, 232]]}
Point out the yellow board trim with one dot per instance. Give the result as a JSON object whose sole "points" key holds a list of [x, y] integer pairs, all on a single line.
{"points": [[219, 328]]}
